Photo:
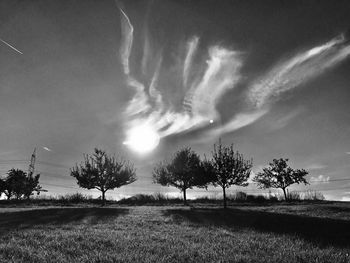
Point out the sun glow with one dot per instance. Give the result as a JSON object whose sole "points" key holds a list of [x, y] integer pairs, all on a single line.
{"points": [[142, 139]]}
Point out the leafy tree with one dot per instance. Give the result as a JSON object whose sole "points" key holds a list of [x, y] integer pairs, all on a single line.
{"points": [[14, 183], [103, 172], [184, 171], [19, 184], [229, 168], [280, 175]]}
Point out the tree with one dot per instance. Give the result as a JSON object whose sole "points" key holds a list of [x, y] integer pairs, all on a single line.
{"points": [[184, 171], [2, 186], [280, 175], [103, 172], [229, 168], [32, 185], [19, 184]]}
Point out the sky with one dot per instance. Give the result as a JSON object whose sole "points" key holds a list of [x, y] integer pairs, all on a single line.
{"points": [[141, 79]]}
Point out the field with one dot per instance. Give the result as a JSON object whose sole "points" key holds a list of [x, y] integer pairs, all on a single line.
{"points": [[303, 232]]}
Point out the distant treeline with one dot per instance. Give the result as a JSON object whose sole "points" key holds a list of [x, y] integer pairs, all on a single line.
{"points": [[185, 170]]}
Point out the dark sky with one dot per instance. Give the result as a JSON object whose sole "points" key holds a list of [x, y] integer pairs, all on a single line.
{"points": [[67, 88]]}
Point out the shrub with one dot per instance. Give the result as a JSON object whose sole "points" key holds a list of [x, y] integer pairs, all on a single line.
{"points": [[294, 196], [313, 196]]}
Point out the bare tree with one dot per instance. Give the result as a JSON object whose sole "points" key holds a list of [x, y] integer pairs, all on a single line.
{"points": [[280, 175], [184, 171], [229, 168], [102, 172]]}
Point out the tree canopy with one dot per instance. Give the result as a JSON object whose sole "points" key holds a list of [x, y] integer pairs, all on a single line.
{"points": [[280, 175], [229, 168], [103, 172], [19, 184], [184, 171]]}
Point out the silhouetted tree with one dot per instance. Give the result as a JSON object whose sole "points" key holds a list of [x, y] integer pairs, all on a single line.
{"points": [[280, 175], [229, 168], [184, 171], [19, 184], [102, 172], [2, 186], [32, 185]]}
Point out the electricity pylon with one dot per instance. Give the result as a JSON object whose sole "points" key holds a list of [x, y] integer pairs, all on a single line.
{"points": [[32, 163]]}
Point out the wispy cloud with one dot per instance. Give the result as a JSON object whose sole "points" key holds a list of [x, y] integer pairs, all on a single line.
{"points": [[281, 122], [315, 166], [292, 72], [207, 80], [239, 121], [191, 50], [319, 179], [200, 101]]}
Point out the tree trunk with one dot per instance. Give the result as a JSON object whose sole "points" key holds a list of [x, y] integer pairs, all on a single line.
{"points": [[103, 197], [185, 200], [224, 195], [285, 194]]}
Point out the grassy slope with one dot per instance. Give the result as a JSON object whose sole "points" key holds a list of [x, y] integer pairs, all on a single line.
{"points": [[282, 233]]}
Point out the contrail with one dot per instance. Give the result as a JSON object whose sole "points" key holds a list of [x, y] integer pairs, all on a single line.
{"points": [[127, 34], [46, 149], [15, 49]]}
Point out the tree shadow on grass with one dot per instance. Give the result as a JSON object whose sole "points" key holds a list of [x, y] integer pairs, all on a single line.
{"points": [[56, 216], [320, 231]]}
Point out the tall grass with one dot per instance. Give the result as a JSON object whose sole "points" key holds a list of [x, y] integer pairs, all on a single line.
{"points": [[162, 199]]}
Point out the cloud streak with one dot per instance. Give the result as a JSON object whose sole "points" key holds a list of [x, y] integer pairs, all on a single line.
{"points": [[192, 46], [292, 72], [10, 46], [319, 179], [46, 149]]}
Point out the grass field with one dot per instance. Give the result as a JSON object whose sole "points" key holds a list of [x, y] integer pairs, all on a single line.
{"points": [[243, 233]]}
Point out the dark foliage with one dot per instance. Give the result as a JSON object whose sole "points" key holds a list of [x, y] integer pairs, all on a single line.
{"points": [[280, 175], [102, 172], [184, 171], [19, 184]]}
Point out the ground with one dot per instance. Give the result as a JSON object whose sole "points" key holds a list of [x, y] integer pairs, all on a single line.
{"points": [[317, 232]]}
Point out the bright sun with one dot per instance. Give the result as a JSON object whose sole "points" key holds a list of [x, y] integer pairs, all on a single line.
{"points": [[142, 139]]}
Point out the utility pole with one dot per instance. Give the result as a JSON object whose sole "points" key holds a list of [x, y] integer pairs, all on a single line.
{"points": [[32, 163]]}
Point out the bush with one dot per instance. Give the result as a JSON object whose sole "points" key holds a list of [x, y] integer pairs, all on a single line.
{"points": [[313, 196], [142, 199], [74, 198], [257, 198], [239, 196], [294, 196]]}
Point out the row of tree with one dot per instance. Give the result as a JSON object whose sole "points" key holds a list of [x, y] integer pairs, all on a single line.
{"points": [[225, 168], [186, 170], [19, 184]]}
